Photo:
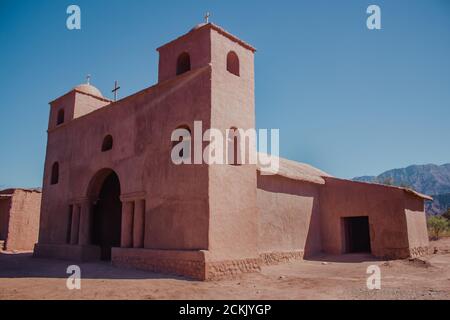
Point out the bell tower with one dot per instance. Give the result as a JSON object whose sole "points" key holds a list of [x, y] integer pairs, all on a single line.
{"points": [[233, 224], [79, 101], [232, 216]]}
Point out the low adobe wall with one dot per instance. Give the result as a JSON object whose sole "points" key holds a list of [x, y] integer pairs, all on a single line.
{"points": [[273, 258], [186, 263], [22, 219], [193, 264]]}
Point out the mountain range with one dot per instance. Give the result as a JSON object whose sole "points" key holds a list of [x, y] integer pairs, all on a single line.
{"points": [[430, 179]]}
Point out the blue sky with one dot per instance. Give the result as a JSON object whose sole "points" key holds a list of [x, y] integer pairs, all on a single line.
{"points": [[346, 99]]}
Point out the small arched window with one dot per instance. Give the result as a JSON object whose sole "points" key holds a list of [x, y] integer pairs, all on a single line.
{"points": [[234, 152], [183, 63], [186, 137], [107, 143], [233, 63], [55, 173], [60, 117]]}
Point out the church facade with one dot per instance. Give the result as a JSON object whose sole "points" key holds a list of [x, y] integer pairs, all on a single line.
{"points": [[111, 191]]}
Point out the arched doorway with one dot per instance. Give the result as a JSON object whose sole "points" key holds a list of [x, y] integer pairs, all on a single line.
{"points": [[106, 212]]}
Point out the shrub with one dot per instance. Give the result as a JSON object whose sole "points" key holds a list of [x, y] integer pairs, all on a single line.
{"points": [[447, 215], [437, 226]]}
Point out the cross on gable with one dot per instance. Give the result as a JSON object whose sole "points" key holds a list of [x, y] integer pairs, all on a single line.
{"points": [[116, 88]]}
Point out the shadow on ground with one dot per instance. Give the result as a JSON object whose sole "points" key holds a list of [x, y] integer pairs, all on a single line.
{"points": [[344, 258], [24, 265]]}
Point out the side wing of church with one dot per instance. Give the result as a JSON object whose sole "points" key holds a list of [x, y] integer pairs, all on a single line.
{"points": [[111, 191]]}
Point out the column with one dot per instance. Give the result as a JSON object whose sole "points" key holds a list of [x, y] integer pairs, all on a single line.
{"points": [[84, 237], [138, 223], [75, 225], [126, 237]]}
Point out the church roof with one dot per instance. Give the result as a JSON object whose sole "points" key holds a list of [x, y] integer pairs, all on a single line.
{"points": [[198, 26], [89, 89], [406, 190], [219, 30], [231, 36], [307, 173], [417, 194], [296, 171]]}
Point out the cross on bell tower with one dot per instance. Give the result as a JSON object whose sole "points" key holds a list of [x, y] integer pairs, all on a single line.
{"points": [[207, 15]]}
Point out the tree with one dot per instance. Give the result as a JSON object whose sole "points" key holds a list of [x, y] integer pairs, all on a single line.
{"points": [[447, 215], [437, 225]]}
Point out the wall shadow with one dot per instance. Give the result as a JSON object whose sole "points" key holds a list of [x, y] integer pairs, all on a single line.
{"points": [[343, 258], [24, 265], [303, 189]]}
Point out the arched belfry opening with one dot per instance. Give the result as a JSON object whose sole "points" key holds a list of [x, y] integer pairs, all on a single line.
{"points": [[60, 117], [106, 211], [233, 63], [183, 63]]}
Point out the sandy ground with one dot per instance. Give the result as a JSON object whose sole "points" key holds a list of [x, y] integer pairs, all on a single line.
{"points": [[327, 277]]}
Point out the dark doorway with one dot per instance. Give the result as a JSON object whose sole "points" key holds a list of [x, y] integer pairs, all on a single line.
{"points": [[107, 213], [357, 235]]}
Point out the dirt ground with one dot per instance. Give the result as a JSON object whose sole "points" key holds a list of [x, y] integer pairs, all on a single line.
{"points": [[325, 277]]}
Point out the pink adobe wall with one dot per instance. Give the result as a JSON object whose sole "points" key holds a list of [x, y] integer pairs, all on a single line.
{"points": [[178, 204], [66, 102], [384, 206], [197, 44], [86, 103], [289, 215], [75, 104], [417, 225], [233, 226], [139, 125], [23, 224]]}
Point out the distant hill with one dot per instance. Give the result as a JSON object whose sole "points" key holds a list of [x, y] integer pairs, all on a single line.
{"points": [[429, 179], [439, 205]]}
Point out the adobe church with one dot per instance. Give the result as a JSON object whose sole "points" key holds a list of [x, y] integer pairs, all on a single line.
{"points": [[111, 191]]}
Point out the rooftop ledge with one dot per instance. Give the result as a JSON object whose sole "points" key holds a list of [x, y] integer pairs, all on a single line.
{"points": [[216, 28]]}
